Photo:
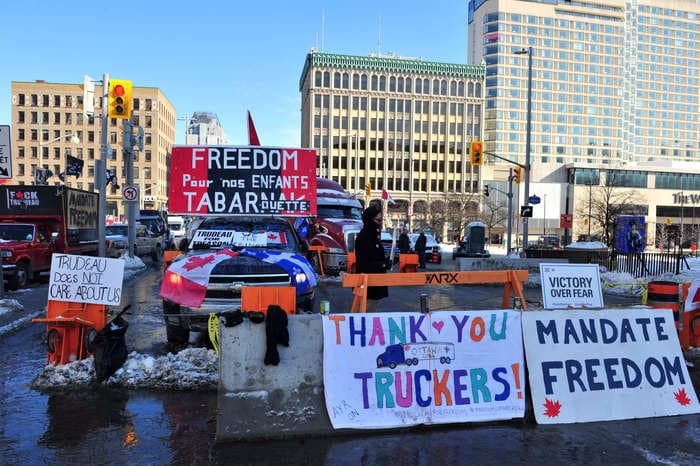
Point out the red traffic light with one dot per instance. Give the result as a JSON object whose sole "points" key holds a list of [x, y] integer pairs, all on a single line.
{"points": [[119, 90], [476, 146]]}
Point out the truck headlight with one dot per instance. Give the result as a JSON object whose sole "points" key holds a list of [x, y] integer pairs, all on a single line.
{"points": [[300, 278], [4, 253]]}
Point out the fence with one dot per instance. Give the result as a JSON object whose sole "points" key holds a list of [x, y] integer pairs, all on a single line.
{"points": [[648, 264]]}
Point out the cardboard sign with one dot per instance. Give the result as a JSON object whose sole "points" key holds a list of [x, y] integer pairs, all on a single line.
{"points": [[242, 180], [566, 286], [606, 364], [5, 153], [399, 369], [86, 279], [220, 238]]}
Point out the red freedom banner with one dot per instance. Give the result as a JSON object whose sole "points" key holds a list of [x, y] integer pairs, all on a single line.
{"points": [[242, 180]]}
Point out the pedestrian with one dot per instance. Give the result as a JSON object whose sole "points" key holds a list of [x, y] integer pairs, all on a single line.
{"points": [[369, 253], [420, 250], [404, 243], [635, 243]]}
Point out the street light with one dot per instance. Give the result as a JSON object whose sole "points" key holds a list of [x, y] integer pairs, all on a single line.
{"points": [[357, 163], [74, 139], [527, 51]]}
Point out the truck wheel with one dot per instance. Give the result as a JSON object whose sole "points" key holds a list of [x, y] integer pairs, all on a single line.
{"points": [[415, 361], [21, 278], [392, 365], [157, 253]]}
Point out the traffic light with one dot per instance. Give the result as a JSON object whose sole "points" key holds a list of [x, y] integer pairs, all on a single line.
{"points": [[368, 189], [475, 153], [517, 174], [119, 98], [486, 190]]}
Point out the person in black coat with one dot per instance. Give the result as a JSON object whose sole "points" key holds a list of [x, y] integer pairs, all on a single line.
{"points": [[404, 243], [369, 253], [420, 246]]}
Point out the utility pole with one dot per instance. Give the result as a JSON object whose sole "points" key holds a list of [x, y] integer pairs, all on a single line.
{"points": [[100, 169], [510, 210], [128, 152]]}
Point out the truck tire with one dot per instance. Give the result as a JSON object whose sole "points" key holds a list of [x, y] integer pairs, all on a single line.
{"points": [[157, 253], [21, 278], [175, 332]]}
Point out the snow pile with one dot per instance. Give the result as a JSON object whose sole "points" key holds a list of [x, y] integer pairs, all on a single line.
{"points": [[190, 369]]}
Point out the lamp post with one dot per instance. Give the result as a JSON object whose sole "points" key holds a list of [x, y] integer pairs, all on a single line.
{"points": [[590, 205], [527, 51]]}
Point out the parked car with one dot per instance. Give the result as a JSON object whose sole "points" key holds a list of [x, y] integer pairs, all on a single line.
{"points": [[177, 226], [156, 224], [432, 247], [265, 251], [117, 241]]}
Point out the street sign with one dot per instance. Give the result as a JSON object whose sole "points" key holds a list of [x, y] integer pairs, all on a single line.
{"points": [[534, 199], [5, 153], [130, 193], [526, 211], [566, 220]]}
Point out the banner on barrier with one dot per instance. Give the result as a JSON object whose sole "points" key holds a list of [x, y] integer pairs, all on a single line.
{"points": [[603, 365], [399, 369]]}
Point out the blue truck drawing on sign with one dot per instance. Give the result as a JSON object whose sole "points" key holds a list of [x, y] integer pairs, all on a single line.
{"points": [[410, 353]]}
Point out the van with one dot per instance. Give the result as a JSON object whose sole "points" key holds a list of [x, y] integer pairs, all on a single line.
{"points": [[177, 225]]}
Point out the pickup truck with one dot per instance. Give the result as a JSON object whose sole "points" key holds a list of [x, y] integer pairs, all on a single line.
{"points": [[411, 353], [37, 221], [260, 251]]}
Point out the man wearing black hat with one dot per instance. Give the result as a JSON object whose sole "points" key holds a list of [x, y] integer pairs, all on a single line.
{"points": [[369, 253]]}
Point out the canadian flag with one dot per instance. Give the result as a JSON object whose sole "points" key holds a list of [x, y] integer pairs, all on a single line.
{"points": [[387, 197], [190, 290]]}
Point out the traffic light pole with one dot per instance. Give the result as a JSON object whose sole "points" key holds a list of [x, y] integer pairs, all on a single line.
{"points": [[128, 136], [510, 207], [100, 169]]}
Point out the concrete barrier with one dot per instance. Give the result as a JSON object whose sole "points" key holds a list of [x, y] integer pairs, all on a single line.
{"points": [[256, 401]]}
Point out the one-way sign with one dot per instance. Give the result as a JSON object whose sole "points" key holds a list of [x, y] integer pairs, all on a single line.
{"points": [[5, 153]]}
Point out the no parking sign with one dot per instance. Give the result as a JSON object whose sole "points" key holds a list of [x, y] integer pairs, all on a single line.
{"points": [[130, 193]]}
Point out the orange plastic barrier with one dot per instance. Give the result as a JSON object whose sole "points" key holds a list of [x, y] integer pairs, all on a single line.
{"points": [[408, 263], [664, 294], [319, 250], [257, 298], [512, 283], [168, 258], [351, 262], [70, 327]]}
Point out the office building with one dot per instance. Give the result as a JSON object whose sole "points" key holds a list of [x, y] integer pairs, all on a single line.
{"points": [[45, 117], [204, 129], [400, 124], [613, 82]]}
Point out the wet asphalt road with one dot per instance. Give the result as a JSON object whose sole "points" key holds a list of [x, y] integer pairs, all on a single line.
{"points": [[117, 426]]}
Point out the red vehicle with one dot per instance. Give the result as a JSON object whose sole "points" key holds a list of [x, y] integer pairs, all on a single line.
{"points": [[37, 221], [338, 220]]}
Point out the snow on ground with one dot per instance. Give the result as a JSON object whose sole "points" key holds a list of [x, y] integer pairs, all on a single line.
{"points": [[197, 368]]}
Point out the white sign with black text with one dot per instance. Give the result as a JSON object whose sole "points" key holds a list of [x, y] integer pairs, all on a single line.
{"points": [[83, 279], [570, 286], [5, 153]]}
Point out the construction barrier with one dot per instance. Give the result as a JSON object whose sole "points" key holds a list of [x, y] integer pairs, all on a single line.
{"points": [[319, 250], [168, 258], [672, 295], [351, 262], [258, 298], [512, 283], [70, 329], [408, 263]]}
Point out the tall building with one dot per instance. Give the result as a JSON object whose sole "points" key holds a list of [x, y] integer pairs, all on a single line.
{"points": [[400, 124], [204, 129], [46, 116], [613, 82]]}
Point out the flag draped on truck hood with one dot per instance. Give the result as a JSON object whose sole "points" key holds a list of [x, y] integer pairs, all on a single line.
{"points": [[186, 281]]}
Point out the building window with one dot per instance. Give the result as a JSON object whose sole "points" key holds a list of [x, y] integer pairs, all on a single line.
{"points": [[149, 105], [20, 117], [69, 101], [56, 118], [91, 136], [21, 99], [20, 152], [317, 79], [56, 152], [20, 134], [69, 118], [137, 103], [57, 101]]}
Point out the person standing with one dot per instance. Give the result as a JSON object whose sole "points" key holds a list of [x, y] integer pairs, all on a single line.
{"points": [[369, 253], [420, 250], [404, 243]]}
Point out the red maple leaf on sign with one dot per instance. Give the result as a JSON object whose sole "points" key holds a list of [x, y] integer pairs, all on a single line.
{"points": [[682, 397], [198, 261], [551, 408]]}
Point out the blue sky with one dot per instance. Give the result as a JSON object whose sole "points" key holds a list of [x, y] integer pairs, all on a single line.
{"points": [[218, 56]]}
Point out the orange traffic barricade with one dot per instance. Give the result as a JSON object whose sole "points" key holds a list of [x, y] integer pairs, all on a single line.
{"points": [[258, 298], [408, 263], [351, 262], [70, 329], [667, 294], [319, 250], [168, 258]]}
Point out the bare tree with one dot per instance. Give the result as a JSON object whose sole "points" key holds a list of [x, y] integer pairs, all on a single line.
{"points": [[494, 213], [605, 203]]}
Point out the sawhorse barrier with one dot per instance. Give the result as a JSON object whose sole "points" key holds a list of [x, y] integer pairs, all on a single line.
{"points": [[512, 283], [319, 250]]}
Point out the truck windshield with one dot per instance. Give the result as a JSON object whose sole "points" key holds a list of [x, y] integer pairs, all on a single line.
{"points": [[236, 234], [117, 230], [332, 211], [16, 232]]}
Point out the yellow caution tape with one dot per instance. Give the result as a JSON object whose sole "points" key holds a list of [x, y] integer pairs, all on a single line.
{"points": [[213, 326]]}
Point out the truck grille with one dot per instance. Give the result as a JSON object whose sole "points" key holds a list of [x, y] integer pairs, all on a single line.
{"points": [[228, 287]]}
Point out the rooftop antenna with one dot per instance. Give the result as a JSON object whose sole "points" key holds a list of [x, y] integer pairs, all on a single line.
{"points": [[323, 29], [379, 38]]}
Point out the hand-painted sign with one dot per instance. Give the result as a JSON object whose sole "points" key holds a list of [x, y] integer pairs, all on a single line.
{"points": [[566, 286], [399, 369], [602, 365], [83, 279], [242, 180]]}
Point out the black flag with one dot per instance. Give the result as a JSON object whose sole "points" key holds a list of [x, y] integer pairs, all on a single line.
{"points": [[74, 166]]}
